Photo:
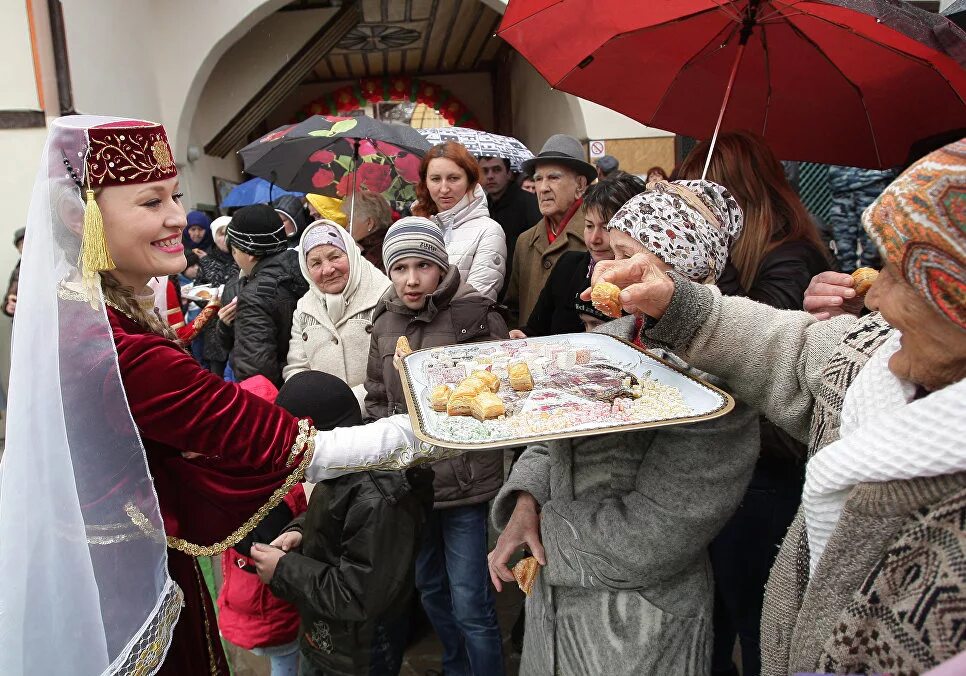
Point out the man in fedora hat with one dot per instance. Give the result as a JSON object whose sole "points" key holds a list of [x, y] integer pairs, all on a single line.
{"points": [[561, 175]]}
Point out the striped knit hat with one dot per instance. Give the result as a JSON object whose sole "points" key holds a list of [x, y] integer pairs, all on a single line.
{"points": [[257, 230], [417, 237]]}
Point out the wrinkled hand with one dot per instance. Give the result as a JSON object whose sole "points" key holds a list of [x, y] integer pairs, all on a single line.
{"points": [[830, 294], [266, 558], [646, 288], [227, 313], [523, 528], [200, 253], [517, 333], [288, 541]]}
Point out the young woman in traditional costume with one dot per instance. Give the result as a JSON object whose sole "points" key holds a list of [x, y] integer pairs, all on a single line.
{"points": [[124, 459]]}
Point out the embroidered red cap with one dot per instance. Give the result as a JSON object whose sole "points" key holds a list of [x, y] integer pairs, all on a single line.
{"points": [[129, 151]]}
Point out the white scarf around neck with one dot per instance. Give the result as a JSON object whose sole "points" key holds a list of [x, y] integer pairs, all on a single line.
{"points": [[884, 435]]}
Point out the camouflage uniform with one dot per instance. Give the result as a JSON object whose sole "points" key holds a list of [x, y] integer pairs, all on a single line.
{"points": [[853, 190]]}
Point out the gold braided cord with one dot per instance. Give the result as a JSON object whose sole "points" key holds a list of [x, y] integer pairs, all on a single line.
{"points": [[297, 475]]}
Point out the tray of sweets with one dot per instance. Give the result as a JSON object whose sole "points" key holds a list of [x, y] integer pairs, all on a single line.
{"points": [[513, 392]]}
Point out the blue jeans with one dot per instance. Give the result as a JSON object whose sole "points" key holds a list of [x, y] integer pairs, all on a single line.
{"points": [[454, 585], [284, 659]]}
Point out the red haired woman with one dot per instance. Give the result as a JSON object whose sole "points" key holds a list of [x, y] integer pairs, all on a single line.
{"points": [[449, 194]]}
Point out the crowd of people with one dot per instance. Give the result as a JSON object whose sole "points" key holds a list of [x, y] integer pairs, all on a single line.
{"points": [[819, 525]]}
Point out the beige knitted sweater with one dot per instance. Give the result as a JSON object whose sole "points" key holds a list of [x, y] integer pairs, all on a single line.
{"points": [[889, 593]]}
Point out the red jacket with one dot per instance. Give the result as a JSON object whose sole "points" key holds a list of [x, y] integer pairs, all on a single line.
{"points": [[249, 615]]}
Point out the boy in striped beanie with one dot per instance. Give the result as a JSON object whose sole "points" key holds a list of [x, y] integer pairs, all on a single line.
{"points": [[416, 259]]}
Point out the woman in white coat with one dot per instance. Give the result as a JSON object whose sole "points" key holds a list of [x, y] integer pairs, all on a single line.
{"points": [[329, 328], [449, 194]]}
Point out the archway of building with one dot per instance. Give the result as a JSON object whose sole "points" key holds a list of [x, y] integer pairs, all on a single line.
{"points": [[308, 51]]}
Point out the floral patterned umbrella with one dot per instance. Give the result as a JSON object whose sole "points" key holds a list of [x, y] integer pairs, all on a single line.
{"points": [[336, 156]]}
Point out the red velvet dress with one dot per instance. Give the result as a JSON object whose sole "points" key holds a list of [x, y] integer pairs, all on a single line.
{"points": [[246, 444]]}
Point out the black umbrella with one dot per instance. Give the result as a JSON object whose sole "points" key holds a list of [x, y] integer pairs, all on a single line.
{"points": [[290, 156]]}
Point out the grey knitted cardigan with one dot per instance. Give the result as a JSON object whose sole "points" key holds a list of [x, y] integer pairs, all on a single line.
{"points": [[890, 591], [625, 521]]}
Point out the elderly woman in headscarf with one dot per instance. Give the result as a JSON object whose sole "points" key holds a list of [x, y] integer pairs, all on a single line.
{"points": [[329, 327], [621, 523], [872, 574]]}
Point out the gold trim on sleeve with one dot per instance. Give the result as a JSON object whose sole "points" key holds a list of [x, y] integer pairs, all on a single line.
{"points": [[297, 475]]}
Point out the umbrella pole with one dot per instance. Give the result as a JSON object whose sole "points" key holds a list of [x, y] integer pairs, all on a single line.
{"points": [[747, 26], [352, 204]]}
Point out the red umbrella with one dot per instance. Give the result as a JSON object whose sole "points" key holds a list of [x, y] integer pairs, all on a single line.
{"points": [[853, 82]]}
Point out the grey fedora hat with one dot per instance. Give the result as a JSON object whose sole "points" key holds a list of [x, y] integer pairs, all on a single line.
{"points": [[566, 150]]}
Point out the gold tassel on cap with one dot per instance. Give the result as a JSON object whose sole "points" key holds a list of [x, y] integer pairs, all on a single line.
{"points": [[94, 255]]}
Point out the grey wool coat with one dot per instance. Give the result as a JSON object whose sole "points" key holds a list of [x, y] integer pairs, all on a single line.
{"points": [[625, 521]]}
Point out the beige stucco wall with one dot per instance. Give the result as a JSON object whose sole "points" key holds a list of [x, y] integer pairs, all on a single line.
{"points": [[153, 58], [18, 90]]}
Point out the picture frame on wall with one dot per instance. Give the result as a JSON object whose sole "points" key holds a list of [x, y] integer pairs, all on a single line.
{"points": [[223, 186]]}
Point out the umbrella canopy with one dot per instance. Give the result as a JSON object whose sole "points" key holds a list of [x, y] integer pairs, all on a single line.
{"points": [[335, 156], [481, 143], [956, 13], [255, 191], [852, 82]]}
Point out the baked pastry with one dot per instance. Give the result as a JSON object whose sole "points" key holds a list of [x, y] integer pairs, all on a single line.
{"points": [[472, 384], [403, 347], [520, 378], [439, 397], [487, 406], [862, 279], [525, 573], [490, 379], [606, 298], [462, 398]]}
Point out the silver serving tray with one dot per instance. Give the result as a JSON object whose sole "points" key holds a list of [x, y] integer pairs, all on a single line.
{"points": [[552, 410]]}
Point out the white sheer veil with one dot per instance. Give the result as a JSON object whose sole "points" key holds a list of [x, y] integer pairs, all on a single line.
{"points": [[84, 587]]}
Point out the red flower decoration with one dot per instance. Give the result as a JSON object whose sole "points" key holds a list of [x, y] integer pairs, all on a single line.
{"points": [[366, 149], [371, 176], [322, 156], [407, 166], [387, 149], [322, 178]]}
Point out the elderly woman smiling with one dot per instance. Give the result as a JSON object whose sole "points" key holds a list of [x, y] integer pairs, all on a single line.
{"points": [[872, 574], [329, 326]]}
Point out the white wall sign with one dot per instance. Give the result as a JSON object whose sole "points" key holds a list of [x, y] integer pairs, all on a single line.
{"points": [[597, 149]]}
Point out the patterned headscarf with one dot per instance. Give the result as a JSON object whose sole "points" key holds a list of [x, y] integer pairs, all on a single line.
{"points": [[690, 225], [919, 225]]}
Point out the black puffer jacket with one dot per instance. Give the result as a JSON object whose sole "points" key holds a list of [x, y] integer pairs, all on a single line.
{"points": [[360, 537], [263, 324], [216, 269]]}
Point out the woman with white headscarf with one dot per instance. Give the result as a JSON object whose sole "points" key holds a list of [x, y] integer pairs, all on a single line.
{"points": [[621, 522], [329, 329]]}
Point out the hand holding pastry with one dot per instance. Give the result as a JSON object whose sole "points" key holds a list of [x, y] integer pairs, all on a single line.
{"points": [[646, 287], [606, 298], [831, 294], [522, 530]]}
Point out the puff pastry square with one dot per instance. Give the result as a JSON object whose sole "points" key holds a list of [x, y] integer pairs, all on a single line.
{"points": [[490, 379], [487, 406], [439, 397], [520, 378]]}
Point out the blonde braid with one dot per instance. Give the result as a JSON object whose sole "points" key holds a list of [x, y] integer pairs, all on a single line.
{"points": [[124, 298]]}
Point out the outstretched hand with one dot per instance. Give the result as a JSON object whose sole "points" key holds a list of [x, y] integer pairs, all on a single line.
{"points": [[523, 529], [831, 294], [646, 288]]}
